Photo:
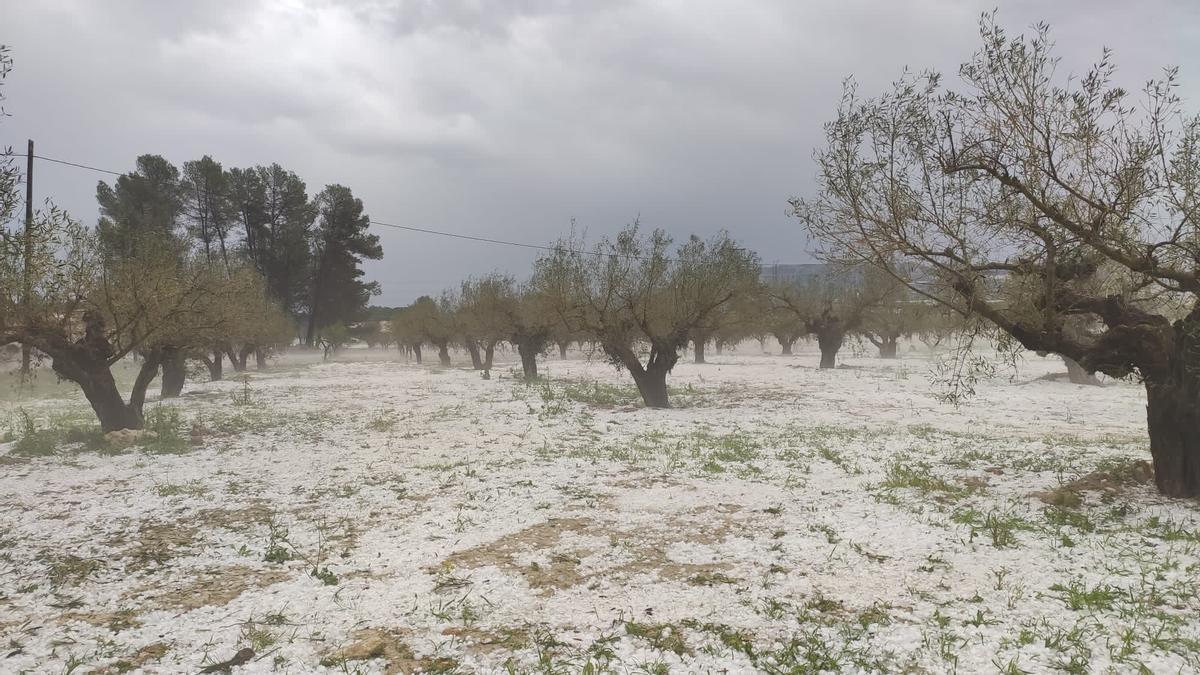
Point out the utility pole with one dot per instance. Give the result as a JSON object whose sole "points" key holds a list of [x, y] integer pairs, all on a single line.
{"points": [[26, 298]]}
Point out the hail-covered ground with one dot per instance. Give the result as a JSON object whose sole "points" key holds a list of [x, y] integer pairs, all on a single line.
{"points": [[375, 515]]}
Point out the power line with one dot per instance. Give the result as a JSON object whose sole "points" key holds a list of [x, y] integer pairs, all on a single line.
{"points": [[81, 166], [485, 240], [409, 228]]}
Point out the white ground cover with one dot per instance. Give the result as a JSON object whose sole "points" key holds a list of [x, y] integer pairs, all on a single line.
{"points": [[374, 515]]}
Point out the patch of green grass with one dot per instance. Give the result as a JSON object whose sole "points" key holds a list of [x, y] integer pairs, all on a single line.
{"points": [[1170, 530], [831, 534], [711, 579], [383, 420], [1060, 517], [868, 554], [823, 605], [256, 636], [738, 640], [663, 637], [920, 477], [876, 614], [734, 447], [1000, 528], [689, 396], [600, 394], [242, 420], [193, 488], [808, 652], [60, 433], [829, 454], [1078, 596], [1126, 470], [70, 568], [168, 425]]}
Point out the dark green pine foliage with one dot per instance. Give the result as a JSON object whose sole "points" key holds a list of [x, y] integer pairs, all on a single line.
{"points": [[341, 243], [277, 219], [208, 208], [140, 209]]}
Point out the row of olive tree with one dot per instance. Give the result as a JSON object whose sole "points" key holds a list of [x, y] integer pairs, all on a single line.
{"points": [[489, 310], [638, 298], [632, 292], [830, 305]]}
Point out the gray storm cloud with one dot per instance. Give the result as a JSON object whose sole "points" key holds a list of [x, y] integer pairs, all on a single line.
{"points": [[508, 119]]}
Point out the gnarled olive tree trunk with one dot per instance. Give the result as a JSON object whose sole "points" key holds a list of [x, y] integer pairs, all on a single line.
{"points": [[86, 362], [473, 350], [830, 339], [528, 351], [174, 371], [239, 357], [1173, 418], [562, 349], [1173, 412], [652, 385], [651, 379], [95, 378], [489, 355], [443, 353], [1077, 374], [215, 363], [785, 340], [887, 344], [1168, 357]]}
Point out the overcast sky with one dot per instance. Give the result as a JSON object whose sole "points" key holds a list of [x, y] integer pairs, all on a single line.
{"points": [[508, 119]]}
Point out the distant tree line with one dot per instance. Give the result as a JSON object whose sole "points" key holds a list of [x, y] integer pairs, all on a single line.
{"points": [[640, 300]]}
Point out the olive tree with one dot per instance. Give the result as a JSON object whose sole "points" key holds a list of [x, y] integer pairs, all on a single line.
{"points": [[829, 307], [777, 318], [630, 291], [87, 314], [406, 331], [333, 338], [428, 321], [730, 323], [743, 320], [254, 323], [482, 316], [531, 326], [1022, 174], [894, 313]]}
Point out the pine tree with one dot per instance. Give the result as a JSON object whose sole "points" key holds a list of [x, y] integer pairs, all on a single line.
{"points": [[341, 243], [207, 208], [140, 208], [277, 219]]}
